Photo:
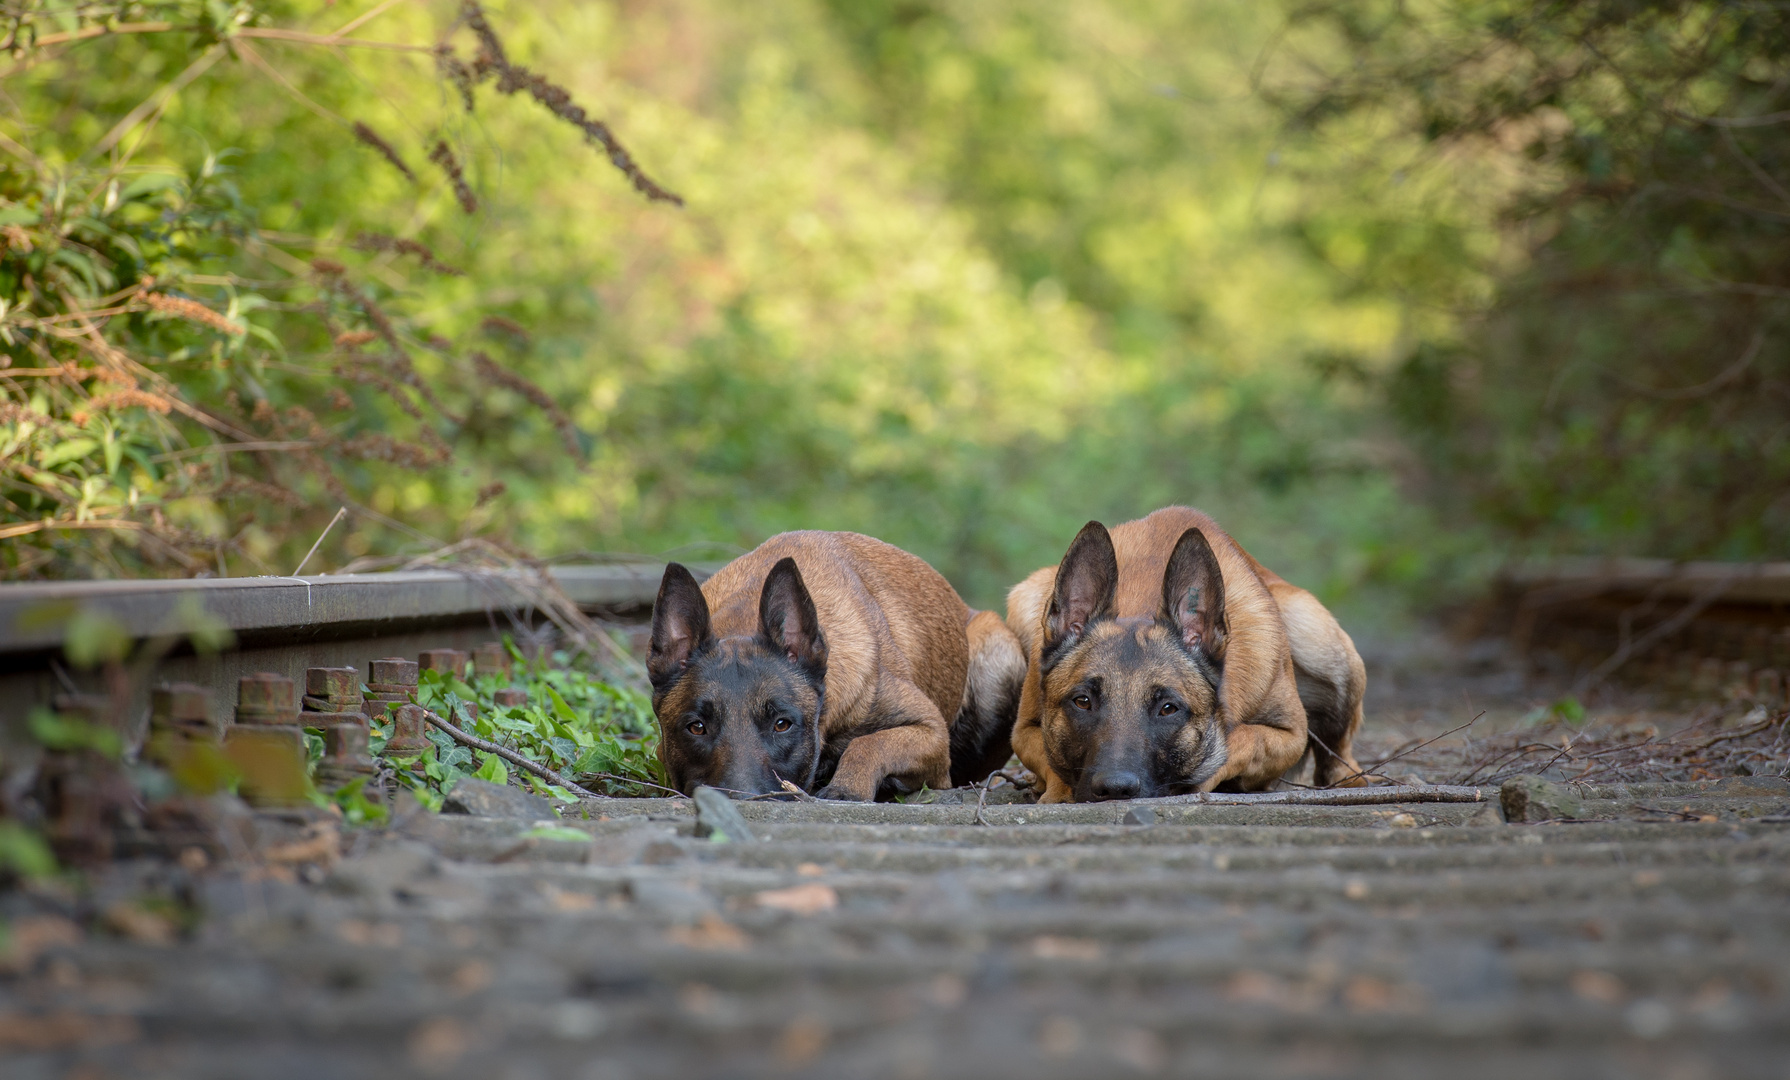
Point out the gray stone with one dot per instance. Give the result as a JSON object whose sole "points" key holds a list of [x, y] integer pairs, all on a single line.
{"points": [[718, 817], [1139, 815], [382, 871], [482, 798], [1487, 815], [1531, 798], [1752, 785]]}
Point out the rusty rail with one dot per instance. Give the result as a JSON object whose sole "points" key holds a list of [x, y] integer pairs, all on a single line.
{"points": [[283, 625]]}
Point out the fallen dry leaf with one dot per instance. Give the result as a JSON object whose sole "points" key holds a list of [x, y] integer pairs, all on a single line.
{"points": [[438, 1043], [28, 938], [322, 845], [360, 932], [808, 899], [1052, 947], [566, 900], [802, 1040], [1598, 986], [59, 1030], [711, 934], [139, 925]]}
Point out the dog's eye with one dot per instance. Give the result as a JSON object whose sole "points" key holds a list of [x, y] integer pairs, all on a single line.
{"points": [[783, 723], [696, 727], [1169, 708], [1082, 702]]}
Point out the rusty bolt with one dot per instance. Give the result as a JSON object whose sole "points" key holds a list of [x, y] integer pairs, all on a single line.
{"points": [[334, 683], [452, 661], [264, 693], [490, 658], [407, 731], [180, 703], [345, 742], [510, 697], [393, 671]]}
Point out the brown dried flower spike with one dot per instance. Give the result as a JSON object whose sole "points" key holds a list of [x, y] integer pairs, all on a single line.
{"points": [[370, 137], [191, 311], [444, 157]]}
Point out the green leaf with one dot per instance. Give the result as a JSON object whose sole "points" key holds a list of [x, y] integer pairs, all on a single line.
{"points": [[492, 769], [560, 708], [565, 748], [558, 832], [93, 637], [25, 853], [57, 732], [147, 184], [65, 452], [357, 809]]}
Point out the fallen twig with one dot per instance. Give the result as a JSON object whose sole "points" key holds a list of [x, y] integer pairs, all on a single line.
{"points": [[982, 799], [509, 755], [1374, 796]]}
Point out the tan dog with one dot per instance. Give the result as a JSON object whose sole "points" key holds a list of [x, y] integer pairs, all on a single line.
{"points": [[1163, 659], [832, 661]]}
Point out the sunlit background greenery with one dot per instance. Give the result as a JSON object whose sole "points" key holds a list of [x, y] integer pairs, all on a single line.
{"points": [[1396, 292]]}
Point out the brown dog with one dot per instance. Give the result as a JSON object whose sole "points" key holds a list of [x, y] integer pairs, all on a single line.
{"points": [[1163, 659], [831, 661]]}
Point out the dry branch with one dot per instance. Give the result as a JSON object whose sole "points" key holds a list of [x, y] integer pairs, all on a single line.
{"points": [[1374, 796], [508, 755]]}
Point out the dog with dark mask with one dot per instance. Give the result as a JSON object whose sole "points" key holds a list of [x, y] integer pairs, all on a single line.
{"points": [[1163, 659], [833, 662]]}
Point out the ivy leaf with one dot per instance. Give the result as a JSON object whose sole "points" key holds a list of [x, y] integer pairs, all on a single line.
{"points": [[493, 770]]}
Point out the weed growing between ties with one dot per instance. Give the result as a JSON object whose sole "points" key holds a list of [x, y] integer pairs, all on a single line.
{"points": [[597, 733]]}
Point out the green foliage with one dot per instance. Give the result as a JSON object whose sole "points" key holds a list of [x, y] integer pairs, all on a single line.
{"points": [[357, 807], [1617, 382], [958, 275], [183, 394], [598, 734], [24, 852], [53, 731]]}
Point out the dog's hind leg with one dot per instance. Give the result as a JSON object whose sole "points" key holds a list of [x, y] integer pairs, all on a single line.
{"points": [[982, 734], [1332, 682]]}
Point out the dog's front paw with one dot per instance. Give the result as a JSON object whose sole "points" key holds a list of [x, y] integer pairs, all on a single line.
{"points": [[841, 793]]}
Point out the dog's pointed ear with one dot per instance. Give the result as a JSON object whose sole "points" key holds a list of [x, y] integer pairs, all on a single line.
{"points": [[1193, 597], [680, 625], [788, 622], [1086, 580]]}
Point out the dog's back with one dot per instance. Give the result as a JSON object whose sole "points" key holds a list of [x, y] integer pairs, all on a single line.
{"points": [[881, 608], [886, 612]]}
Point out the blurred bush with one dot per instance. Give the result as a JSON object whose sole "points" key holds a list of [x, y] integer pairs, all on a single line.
{"points": [[1597, 195], [959, 275]]}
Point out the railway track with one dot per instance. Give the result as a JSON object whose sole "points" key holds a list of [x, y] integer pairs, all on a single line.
{"points": [[897, 941], [1416, 935]]}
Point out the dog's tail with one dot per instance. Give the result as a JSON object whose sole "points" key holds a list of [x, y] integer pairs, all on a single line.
{"points": [[982, 735]]}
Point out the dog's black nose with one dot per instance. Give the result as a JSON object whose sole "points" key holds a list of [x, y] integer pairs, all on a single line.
{"points": [[1117, 785]]}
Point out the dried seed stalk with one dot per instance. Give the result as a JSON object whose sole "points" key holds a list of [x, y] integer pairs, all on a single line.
{"points": [[444, 157], [497, 375], [381, 242], [191, 311], [492, 60], [370, 137]]}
